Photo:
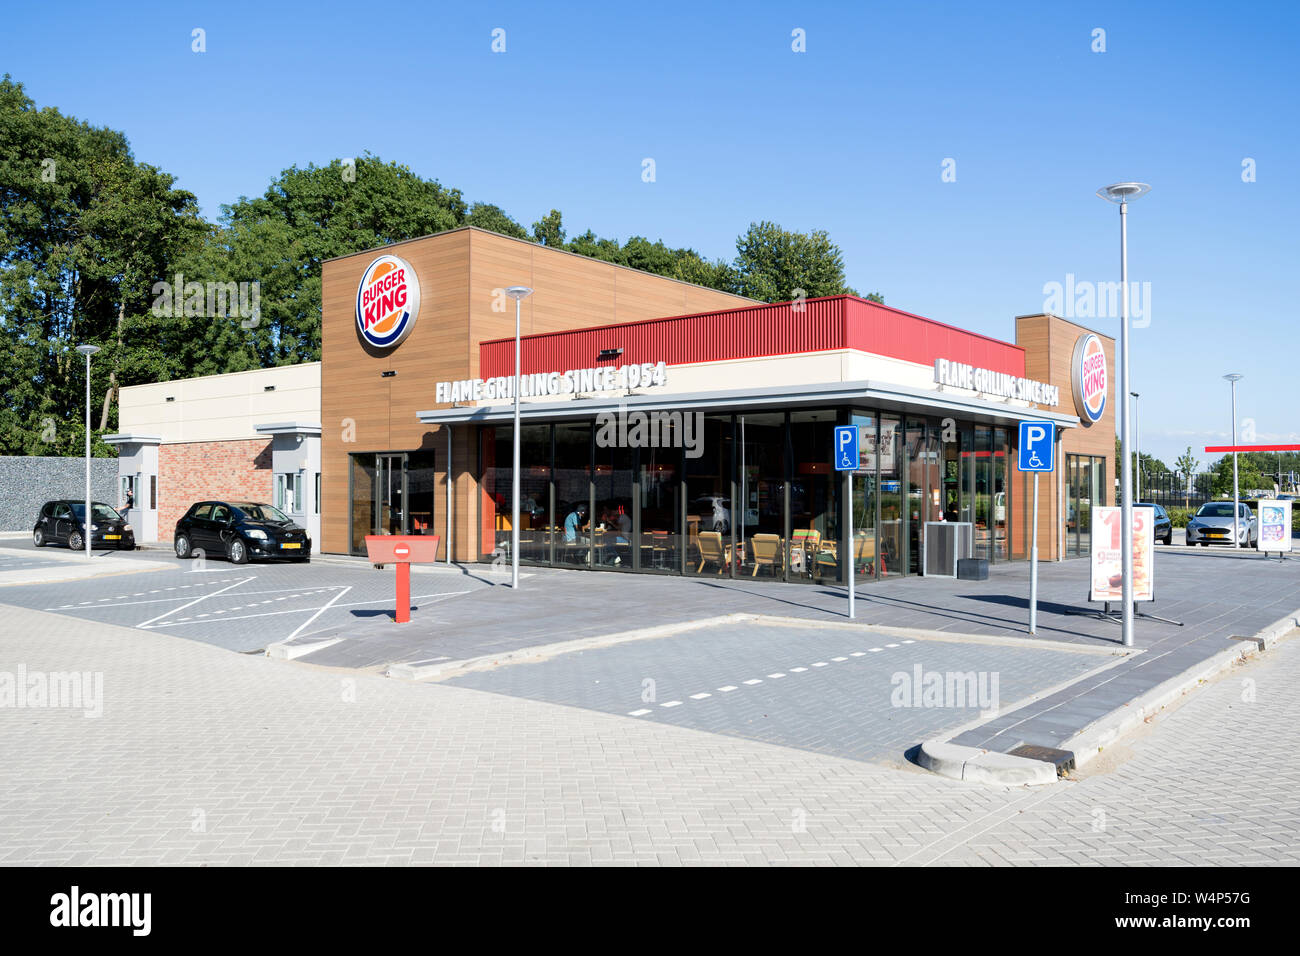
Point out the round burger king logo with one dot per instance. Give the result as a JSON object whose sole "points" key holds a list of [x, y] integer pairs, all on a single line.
{"points": [[1091, 380], [388, 302]]}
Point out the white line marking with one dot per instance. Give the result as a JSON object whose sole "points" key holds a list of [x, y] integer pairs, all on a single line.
{"points": [[776, 676], [891, 645], [876, 649], [839, 660], [728, 689], [325, 608], [858, 654], [638, 713], [797, 670], [671, 703], [204, 597], [700, 696], [819, 664], [752, 681], [909, 642]]}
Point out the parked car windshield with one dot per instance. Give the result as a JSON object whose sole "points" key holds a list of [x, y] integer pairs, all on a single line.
{"points": [[1220, 510], [263, 513], [100, 512]]}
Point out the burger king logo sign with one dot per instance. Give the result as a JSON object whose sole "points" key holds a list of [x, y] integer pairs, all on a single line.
{"points": [[388, 302], [1091, 380]]}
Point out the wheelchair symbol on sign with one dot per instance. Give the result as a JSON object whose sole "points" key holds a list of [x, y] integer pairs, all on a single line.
{"points": [[846, 461], [1035, 461]]}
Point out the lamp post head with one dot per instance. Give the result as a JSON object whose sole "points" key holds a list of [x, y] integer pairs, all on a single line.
{"points": [[518, 292], [1121, 193], [1234, 376], [88, 350]]}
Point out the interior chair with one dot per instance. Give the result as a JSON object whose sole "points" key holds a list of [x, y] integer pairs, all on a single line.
{"points": [[765, 552]]}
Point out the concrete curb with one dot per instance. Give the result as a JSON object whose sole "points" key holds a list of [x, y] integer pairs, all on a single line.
{"points": [[1090, 741], [426, 671], [982, 766], [285, 651], [974, 765]]}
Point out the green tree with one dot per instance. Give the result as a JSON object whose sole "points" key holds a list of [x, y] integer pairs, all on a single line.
{"points": [[1248, 476], [775, 264], [309, 215], [85, 230], [549, 230], [494, 219], [1187, 465]]}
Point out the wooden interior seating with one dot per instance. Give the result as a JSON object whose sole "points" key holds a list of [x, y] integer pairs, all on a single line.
{"points": [[766, 552], [660, 552], [712, 551]]}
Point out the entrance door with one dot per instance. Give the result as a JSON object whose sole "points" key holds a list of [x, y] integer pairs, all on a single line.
{"points": [[390, 496], [392, 493]]}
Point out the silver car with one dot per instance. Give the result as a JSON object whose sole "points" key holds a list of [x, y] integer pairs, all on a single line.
{"points": [[1213, 523]]}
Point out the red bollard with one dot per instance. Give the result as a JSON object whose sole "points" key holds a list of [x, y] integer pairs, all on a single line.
{"points": [[402, 550]]}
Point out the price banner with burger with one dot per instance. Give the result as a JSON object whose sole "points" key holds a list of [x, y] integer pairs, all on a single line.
{"points": [[1107, 565]]}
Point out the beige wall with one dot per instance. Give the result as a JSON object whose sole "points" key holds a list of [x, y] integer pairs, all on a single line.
{"points": [[221, 407]]}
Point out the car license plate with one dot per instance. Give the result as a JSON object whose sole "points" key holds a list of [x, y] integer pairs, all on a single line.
{"points": [[1215, 534], [290, 545], [112, 537]]}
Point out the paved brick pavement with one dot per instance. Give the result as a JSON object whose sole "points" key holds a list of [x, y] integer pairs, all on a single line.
{"points": [[837, 690], [207, 757]]}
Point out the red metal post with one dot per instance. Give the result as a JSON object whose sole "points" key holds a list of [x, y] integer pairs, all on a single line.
{"points": [[403, 592]]}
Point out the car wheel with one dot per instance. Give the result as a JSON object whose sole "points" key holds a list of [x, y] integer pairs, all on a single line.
{"points": [[183, 548], [1169, 538], [1205, 544], [76, 542], [238, 551], [38, 538]]}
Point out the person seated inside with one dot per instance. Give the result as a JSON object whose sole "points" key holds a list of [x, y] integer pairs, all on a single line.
{"points": [[618, 533], [575, 522]]}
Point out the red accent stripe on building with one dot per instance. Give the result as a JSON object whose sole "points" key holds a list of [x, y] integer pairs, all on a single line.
{"points": [[834, 322]]}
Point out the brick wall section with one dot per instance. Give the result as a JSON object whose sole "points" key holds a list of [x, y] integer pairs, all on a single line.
{"points": [[194, 471]]}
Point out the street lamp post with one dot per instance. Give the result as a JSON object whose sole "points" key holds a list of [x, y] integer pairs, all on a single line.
{"points": [[1121, 194], [518, 293], [1234, 378], [1137, 442], [88, 351]]}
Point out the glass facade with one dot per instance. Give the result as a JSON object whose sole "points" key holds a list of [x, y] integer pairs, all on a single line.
{"points": [[744, 495]]}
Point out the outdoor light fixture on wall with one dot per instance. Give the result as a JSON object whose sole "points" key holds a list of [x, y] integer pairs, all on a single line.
{"points": [[609, 354], [389, 374]]}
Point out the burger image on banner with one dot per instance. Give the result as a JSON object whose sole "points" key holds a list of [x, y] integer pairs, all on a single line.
{"points": [[1090, 378], [388, 302]]}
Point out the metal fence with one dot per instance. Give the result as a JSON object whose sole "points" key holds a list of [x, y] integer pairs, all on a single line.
{"points": [[1173, 491]]}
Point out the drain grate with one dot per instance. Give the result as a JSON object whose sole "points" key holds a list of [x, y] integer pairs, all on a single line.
{"points": [[1063, 760]]}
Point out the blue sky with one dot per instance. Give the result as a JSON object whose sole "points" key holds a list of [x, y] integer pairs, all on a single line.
{"points": [[849, 137]]}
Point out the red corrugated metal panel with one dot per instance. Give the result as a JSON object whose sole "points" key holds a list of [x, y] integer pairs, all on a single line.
{"points": [[879, 329], [709, 337], [834, 322]]}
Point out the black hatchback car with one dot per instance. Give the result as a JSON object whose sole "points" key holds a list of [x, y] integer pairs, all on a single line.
{"points": [[1164, 528], [62, 521], [241, 531]]}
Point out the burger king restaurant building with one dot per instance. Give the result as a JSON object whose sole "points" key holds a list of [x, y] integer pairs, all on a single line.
{"points": [[666, 428]]}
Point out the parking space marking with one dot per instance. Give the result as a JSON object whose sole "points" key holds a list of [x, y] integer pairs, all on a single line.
{"points": [[774, 676], [323, 609], [204, 597]]}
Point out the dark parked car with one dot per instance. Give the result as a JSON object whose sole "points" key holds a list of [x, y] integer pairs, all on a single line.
{"points": [[1164, 529], [241, 531], [63, 522]]}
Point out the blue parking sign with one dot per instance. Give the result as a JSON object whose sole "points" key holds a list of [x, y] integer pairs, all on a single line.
{"points": [[846, 447], [1037, 446]]}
